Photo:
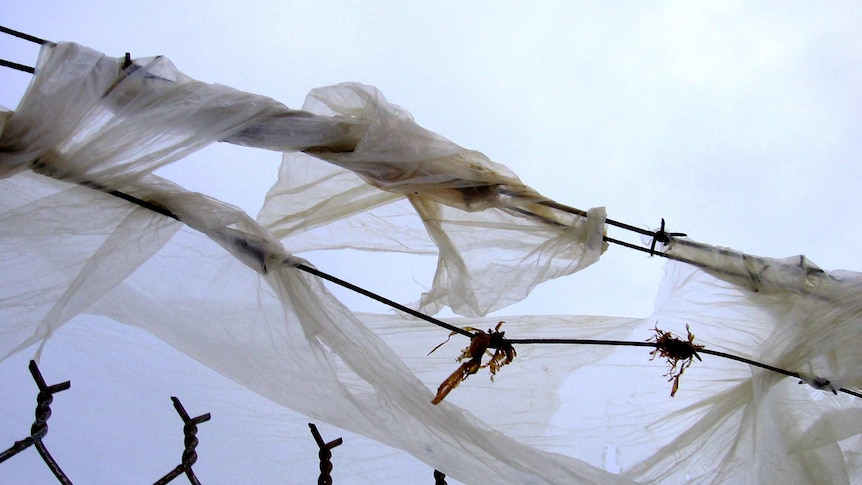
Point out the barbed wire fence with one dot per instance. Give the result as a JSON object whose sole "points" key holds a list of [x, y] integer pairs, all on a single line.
{"points": [[39, 430], [666, 344], [671, 347]]}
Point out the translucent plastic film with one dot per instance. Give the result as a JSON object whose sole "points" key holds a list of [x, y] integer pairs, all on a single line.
{"points": [[94, 236], [816, 329], [281, 335], [458, 194], [109, 109], [218, 286]]}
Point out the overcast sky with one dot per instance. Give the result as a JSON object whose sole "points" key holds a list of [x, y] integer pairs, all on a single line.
{"points": [[738, 122]]}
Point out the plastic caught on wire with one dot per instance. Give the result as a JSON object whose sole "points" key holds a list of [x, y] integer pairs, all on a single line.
{"points": [[87, 121], [279, 333]]}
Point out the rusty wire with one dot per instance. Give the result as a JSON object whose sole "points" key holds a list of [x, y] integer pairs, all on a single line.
{"points": [[325, 455], [39, 429], [190, 456]]}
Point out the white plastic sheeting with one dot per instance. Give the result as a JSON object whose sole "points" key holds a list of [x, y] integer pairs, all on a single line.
{"points": [[732, 423], [458, 194], [252, 317]]}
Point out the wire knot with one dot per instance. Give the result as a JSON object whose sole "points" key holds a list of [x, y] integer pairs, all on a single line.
{"points": [[43, 401], [190, 441], [325, 455], [663, 237]]}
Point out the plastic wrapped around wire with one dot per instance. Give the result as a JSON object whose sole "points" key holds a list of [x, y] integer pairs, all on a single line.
{"points": [[279, 333]]}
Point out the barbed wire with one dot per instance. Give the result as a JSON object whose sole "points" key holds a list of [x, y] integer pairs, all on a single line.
{"points": [[452, 328], [658, 236], [22, 35], [39, 431], [27, 37]]}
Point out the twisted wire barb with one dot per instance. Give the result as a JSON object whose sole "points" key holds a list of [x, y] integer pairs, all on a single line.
{"points": [[190, 456], [325, 455], [39, 429]]}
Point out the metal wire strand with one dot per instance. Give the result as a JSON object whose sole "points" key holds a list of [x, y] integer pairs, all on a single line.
{"points": [[657, 236], [370, 294], [16, 66], [22, 35], [629, 343]]}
